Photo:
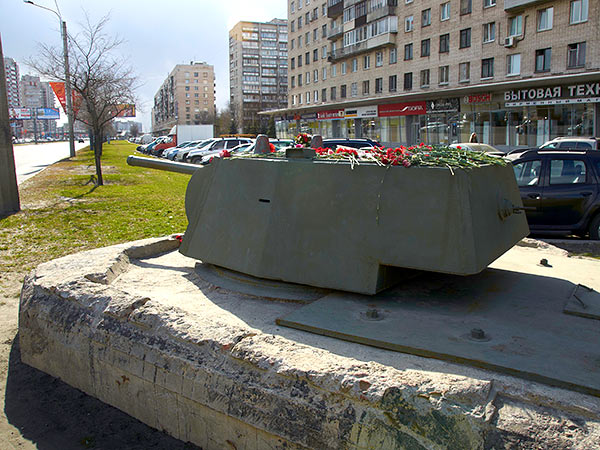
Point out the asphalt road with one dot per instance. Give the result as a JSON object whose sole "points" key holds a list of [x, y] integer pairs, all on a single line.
{"points": [[31, 159]]}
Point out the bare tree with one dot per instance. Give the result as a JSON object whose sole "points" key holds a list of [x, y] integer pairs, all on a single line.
{"points": [[102, 82]]}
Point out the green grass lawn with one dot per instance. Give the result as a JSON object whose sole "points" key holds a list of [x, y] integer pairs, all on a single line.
{"points": [[63, 213]]}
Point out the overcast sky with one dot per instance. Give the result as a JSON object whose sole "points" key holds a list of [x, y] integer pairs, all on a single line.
{"points": [[158, 34]]}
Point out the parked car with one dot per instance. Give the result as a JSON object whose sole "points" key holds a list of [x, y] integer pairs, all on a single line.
{"points": [[147, 148], [353, 143], [173, 150], [206, 159], [560, 190], [572, 143], [182, 154], [476, 147], [195, 155]]}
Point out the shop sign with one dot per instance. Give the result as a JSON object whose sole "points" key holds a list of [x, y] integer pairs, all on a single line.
{"points": [[555, 95], [361, 112], [476, 99], [331, 114], [443, 105], [19, 113], [48, 113], [402, 109], [308, 116]]}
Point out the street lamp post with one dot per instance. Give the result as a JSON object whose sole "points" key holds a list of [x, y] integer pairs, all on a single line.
{"points": [[68, 94]]}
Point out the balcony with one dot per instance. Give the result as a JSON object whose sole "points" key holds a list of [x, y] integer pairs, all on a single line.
{"points": [[388, 10], [335, 33], [519, 4], [335, 8], [383, 40]]}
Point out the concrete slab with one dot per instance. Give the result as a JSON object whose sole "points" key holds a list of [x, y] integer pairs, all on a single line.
{"points": [[136, 326]]}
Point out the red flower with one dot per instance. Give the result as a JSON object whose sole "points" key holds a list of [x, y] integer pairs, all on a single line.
{"points": [[272, 147], [225, 154], [459, 147], [179, 237]]}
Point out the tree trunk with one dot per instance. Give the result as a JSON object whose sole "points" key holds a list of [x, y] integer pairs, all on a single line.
{"points": [[97, 156]]}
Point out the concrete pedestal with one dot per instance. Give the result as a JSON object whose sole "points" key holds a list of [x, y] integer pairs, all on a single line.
{"points": [[136, 326]]}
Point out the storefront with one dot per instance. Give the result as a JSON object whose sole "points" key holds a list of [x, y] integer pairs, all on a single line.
{"points": [[506, 119]]}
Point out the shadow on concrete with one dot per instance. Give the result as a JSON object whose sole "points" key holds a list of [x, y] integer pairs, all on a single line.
{"points": [[523, 312], [55, 416]]}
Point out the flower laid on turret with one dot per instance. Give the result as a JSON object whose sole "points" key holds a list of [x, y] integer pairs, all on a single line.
{"points": [[302, 140], [225, 154]]}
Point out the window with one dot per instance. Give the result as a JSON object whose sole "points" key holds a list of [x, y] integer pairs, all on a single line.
{"points": [[444, 43], [444, 75], [445, 11], [293, 60], [367, 62], [408, 52], [465, 38], [408, 23], [333, 71], [324, 31], [542, 59], [354, 65], [343, 91], [315, 54], [487, 68], [579, 11], [299, 22], [528, 173], [299, 79], [354, 89], [308, 97], [513, 64], [307, 58], [324, 75], [293, 81], [489, 32], [344, 68], [408, 81], [378, 85], [392, 83], [426, 17], [292, 44], [425, 46], [315, 76], [307, 37], [299, 41], [567, 171], [544, 19], [465, 7], [393, 55], [292, 26], [333, 93], [324, 94], [515, 26], [315, 36], [365, 87], [425, 78], [489, 3], [307, 78], [292, 7], [324, 52], [576, 55], [464, 72], [378, 59]]}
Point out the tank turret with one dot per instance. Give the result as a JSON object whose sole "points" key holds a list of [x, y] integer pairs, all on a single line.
{"points": [[338, 224]]}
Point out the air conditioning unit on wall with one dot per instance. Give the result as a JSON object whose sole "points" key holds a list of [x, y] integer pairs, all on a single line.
{"points": [[509, 41]]}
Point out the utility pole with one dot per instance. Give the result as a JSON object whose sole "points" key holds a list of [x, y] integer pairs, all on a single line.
{"points": [[9, 191], [68, 95], [68, 90]]}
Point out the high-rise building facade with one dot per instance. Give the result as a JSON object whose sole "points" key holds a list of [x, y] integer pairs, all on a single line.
{"points": [[12, 83], [37, 94], [258, 70], [186, 97], [516, 72]]}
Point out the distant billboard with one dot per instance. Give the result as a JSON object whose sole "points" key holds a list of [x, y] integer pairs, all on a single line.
{"points": [[19, 113], [126, 110], [48, 114]]}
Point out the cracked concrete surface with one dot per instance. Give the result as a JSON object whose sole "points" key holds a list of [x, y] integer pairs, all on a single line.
{"points": [[135, 326]]}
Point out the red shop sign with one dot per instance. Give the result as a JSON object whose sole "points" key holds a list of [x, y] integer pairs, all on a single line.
{"points": [[401, 109]]}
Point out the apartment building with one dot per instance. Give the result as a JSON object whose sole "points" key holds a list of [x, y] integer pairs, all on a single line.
{"points": [[37, 94], [258, 70], [516, 72], [12, 83], [186, 97]]}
